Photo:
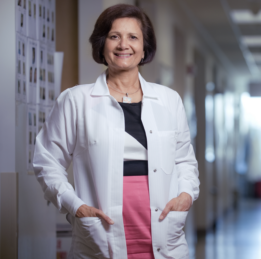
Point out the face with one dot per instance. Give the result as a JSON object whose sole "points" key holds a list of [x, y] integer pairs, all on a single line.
{"points": [[123, 49]]}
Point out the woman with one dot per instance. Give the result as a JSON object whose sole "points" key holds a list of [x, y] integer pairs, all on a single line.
{"points": [[134, 169]]}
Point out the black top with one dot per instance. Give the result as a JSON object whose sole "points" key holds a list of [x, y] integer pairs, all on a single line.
{"points": [[134, 127]]}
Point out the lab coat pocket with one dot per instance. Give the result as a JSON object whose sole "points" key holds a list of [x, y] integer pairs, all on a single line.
{"points": [[167, 141], [91, 238], [176, 242]]}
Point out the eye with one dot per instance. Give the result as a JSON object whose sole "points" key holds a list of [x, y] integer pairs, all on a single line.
{"points": [[134, 37], [113, 37]]}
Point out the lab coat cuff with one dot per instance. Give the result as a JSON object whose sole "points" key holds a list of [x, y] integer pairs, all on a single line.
{"points": [[71, 202], [185, 186]]}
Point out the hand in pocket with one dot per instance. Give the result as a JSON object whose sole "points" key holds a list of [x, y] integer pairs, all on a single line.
{"points": [[182, 203], [87, 211]]}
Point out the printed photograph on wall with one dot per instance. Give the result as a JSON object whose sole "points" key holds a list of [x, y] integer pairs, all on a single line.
{"points": [[33, 64], [21, 17], [21, 42]]}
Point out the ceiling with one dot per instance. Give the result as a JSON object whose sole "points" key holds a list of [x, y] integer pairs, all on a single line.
{"points": [[214, 19]]}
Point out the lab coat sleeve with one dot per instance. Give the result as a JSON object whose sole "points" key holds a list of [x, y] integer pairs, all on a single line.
{"points": [[186, 163], [53, 153]]}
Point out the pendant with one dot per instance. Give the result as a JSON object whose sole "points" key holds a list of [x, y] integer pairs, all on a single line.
{"points": [[126, 99]]}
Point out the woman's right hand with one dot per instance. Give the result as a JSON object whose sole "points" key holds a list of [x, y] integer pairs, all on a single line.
{"points": [[87, 211]]}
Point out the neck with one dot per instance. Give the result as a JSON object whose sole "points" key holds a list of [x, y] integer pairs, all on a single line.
{"points": [[124, 81]]}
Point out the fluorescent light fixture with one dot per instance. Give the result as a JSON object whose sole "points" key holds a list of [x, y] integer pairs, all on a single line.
{"points": [[257, 57], [251, 41], [245, 16]]}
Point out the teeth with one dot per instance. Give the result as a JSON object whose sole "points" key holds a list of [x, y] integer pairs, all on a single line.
{"points": [[123, 55]]}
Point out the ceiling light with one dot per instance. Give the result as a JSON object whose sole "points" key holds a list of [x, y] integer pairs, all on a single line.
{"points": [[257, 57], [245, 16], [251, 41]]}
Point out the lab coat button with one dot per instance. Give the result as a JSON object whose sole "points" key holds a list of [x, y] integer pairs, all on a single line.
{"points": [[155, 170], [156, 209], [158, 249], [150, 131]]}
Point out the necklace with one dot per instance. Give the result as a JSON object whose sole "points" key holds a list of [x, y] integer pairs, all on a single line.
{"points": [[125, 99]]}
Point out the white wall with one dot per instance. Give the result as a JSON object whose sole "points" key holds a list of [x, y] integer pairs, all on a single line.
{"points": [[164, 29], [88, 12], [7, 87], [37, 219]]}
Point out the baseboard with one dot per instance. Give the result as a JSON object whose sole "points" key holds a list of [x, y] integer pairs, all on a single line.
{"points": [[8, 215]]}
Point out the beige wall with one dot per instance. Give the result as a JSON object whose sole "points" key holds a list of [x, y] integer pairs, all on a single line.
{"points": [[67, 40]]}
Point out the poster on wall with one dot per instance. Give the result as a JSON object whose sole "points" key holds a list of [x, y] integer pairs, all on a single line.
{"points": [[31, 15], [21, 16], [21, 51], [42, 78], [32, 70], [31, 133], [50, 76]]}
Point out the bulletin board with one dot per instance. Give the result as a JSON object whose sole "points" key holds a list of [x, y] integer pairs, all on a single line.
{"points": [[35, 77]]}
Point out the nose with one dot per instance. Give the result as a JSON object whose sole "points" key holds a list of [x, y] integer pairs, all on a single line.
{"points": [[123, 43]]}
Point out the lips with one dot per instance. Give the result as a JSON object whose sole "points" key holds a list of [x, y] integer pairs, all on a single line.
{"points": [[122, 55]]}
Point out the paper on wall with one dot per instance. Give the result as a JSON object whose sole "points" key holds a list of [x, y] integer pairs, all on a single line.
{"points": [[21, 70], [21, 20], [50, 76], [31, 14], [31, 133], [42, 76], [50, 23], [41, 20], [43, 115], [32, 48]]}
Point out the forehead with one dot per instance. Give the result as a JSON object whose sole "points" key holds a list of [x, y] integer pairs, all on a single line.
{"points": [[126, 24]]}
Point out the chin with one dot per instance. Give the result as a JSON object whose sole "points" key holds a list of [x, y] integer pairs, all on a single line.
{"points": [[125, 67]]}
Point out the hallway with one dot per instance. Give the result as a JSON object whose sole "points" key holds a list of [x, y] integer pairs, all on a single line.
{"points": [[208, 51], [237, 235]]}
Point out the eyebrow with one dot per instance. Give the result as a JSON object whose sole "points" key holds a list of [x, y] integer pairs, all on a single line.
{"points": [[120, 33]]}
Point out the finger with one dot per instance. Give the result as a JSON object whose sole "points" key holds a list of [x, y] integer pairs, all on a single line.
{"points": [[165, 212], [81, 211], [105, 217]]}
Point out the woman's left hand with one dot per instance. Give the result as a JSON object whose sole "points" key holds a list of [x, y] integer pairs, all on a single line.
{"points": [[182, 203]]}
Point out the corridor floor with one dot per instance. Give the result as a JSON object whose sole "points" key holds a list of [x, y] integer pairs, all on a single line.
{"points": [[238, 235]]}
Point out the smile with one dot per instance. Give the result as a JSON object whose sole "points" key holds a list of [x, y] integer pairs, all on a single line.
{"points": [[122, 55]]}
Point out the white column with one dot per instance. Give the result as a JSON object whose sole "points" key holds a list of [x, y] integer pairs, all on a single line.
{"points": [[7, 86], [7, 97]]}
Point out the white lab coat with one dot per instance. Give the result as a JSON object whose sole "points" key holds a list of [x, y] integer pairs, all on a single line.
{"points": [[86, 125]]}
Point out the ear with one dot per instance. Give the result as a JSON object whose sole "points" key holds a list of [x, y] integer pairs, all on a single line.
{"points": [[143, 55]]}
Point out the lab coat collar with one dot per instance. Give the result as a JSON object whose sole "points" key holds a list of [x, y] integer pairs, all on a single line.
{"points": [[101, 88]]}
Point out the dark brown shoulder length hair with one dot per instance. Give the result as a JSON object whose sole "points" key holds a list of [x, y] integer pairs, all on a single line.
{"points": [[103, 26]]}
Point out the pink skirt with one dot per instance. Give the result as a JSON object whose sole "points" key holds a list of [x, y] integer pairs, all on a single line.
{"points": [[137, 217]]}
